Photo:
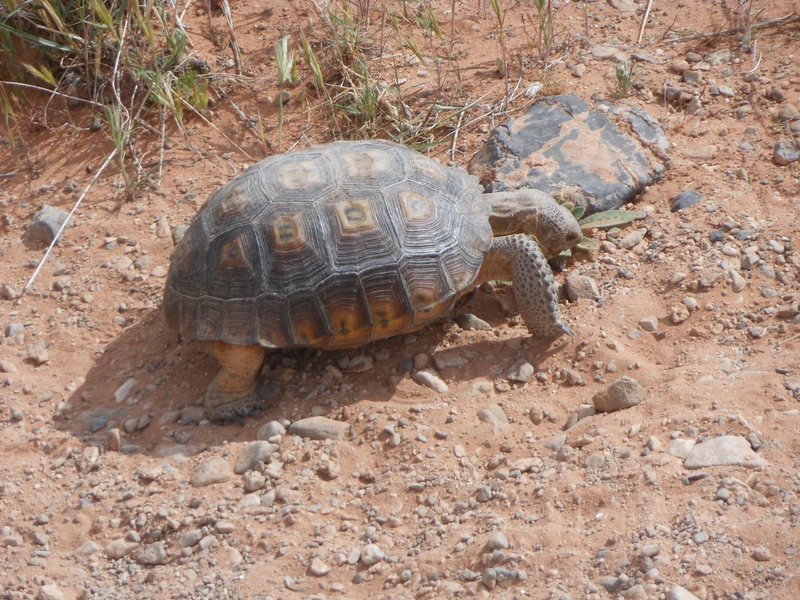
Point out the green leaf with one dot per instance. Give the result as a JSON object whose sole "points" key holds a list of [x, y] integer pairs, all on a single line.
{"points": [[609, 218], [589, 244], [36, 40], [578, 212]]}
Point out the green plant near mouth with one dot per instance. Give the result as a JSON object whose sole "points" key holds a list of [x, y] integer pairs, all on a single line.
{"points": [[599, 220]]}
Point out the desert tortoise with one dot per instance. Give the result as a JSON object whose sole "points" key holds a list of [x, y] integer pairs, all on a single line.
{"points": [[349, 242]]}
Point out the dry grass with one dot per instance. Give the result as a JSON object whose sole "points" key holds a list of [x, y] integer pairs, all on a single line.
{"points": [[122, 59]]}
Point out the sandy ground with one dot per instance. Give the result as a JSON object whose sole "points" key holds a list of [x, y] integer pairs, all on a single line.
{"points": [[104, 447]]}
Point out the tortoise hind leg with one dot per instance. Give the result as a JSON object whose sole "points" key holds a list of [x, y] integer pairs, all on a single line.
{"points": [[232, 393]]}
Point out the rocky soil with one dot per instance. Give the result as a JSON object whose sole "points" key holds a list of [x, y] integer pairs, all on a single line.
{"points": [[654, 455]]}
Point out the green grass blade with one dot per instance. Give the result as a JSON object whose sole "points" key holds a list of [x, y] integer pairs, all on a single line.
{"points": [[609, 218], [36, 40]]}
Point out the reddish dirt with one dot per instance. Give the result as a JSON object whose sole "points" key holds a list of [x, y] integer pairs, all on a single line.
{"points": [[731, 368]]}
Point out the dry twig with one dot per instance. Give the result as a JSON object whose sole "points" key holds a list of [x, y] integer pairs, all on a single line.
{"points": [[237, 57], [644, 21], [52, 92], [215, 128], [57, 236], [456, 131]]}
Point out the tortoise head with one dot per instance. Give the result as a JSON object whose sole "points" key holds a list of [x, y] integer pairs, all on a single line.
{"points": [[536, 214]]}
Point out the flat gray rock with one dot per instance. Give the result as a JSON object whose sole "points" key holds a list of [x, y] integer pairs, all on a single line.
{"points": [[254, 455], [51, 592], [785, 153], [319, 428], [580, 286], [685, 199], [119, 548], [726, 450], [212, 470], [154, 554], [563, 148], [270, 429], [449, 359], [494, 416], [469, 322], [520, 372]]}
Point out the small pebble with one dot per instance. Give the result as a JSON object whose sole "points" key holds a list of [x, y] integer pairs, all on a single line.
{"points": [[371, 554], [649, 324], [318, 568], [685, 200], [701, 537], [497, 541], [623, 393], [520, 372], [430, 379]]}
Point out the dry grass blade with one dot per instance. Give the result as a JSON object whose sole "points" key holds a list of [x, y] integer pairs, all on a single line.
{"points": [[644, 21], [109, 55], [237, 57], [51, 92]]}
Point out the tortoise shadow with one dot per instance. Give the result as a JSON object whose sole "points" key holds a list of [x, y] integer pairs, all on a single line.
{"points": [[150, 386]]}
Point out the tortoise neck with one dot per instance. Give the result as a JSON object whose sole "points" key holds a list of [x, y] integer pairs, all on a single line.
{"points": [[513, 212]]}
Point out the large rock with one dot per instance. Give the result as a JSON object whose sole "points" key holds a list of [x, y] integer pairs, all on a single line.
{"points": [[45, 225], [726, 450], [679, 593], [563, 148]]}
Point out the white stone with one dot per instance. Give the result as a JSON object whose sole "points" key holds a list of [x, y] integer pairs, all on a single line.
{"points": [[122, 391], [430, 379], [726, 450], [319, 428], [212, 470]]}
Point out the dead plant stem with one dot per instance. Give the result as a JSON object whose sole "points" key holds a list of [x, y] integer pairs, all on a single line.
{"points": [[644, 21], [57, 236], [237, 57], [52, 92], [215, 128], [456, 131]]}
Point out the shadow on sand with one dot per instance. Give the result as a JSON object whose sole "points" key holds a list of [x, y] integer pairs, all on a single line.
{"points": [[150, 386]]}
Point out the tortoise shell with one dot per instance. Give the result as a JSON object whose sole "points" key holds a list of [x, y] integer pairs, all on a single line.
{"points": [[328, 247]]}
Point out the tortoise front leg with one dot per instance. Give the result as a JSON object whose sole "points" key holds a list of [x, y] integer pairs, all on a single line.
{"points": [[534, 284], [232, 393]]}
